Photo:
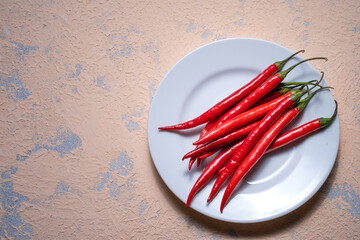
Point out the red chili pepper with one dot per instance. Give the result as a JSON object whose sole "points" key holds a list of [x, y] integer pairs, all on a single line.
{"points": [[211, 170], [253, 138], [259, 149], [282, 89], [207, 127], [276, 94], [218, 131], [257, 94], [280, 141], [302, 131], [272, 95], [242, 119], [232, 99], [217, 144], [208, 154]]}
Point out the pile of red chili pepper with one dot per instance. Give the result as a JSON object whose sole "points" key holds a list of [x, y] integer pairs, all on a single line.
{"points": [[248, 123]]}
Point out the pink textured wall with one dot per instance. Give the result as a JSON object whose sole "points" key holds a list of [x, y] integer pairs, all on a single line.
{"points": [[76, 82]]}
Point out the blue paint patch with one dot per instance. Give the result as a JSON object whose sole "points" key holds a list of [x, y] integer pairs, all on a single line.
{"points": [[74, 90], [64, 142], [152, 86], [190, 27], [100, 82], [104, 179], [57, 99], [199, 229], [76, 74], [61, 189], [347, 194], [14, 88], [122, 164], [220, 37], [114, 189], [130, 186], [33, 113], [356, 29], [12, 226], [306, 23], [239, 23], [101, 24], [10, 171], [290, 3], [21, 158], [305, 37], [125, 50], [206, 34], [152, 49], [47, 49], [132, 126], [138, 113], [143, 207], [113, 36], [23, 50]]}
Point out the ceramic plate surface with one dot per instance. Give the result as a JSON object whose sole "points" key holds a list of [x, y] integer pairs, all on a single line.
{"points": [[282, 180]]}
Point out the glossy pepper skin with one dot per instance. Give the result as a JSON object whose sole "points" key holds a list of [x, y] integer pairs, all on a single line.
{"points": [[280, 141], [252, 139], [241, 120], [256, 95], [211, 170], [217, 144], [302, 131], [232, 99], [207, 127], [265, 142], [257, 152]]}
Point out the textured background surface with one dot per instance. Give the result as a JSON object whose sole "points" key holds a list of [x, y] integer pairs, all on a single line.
{"points": [[76, 82]]}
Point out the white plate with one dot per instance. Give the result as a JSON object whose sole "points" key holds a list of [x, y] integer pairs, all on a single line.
{"points": [[283, 180]]}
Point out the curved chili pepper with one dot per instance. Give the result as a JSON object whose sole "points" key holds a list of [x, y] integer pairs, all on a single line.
{"points": [[232, 99], [272, 95], [211, 170], [207, 127], [275, 94], [303, 130], [280, 141], [282, 89], [242, 119], [253, 138], [208, 154], [248, 101], [259, 149], [257, 152], [217, 144]]}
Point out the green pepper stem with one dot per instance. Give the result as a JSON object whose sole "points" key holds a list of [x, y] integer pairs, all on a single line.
{"points": [[280, 64], [285, 72], [324, 122]]}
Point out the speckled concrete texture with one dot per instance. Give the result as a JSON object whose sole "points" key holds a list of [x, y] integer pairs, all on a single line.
{"points": [[76, 83]]}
